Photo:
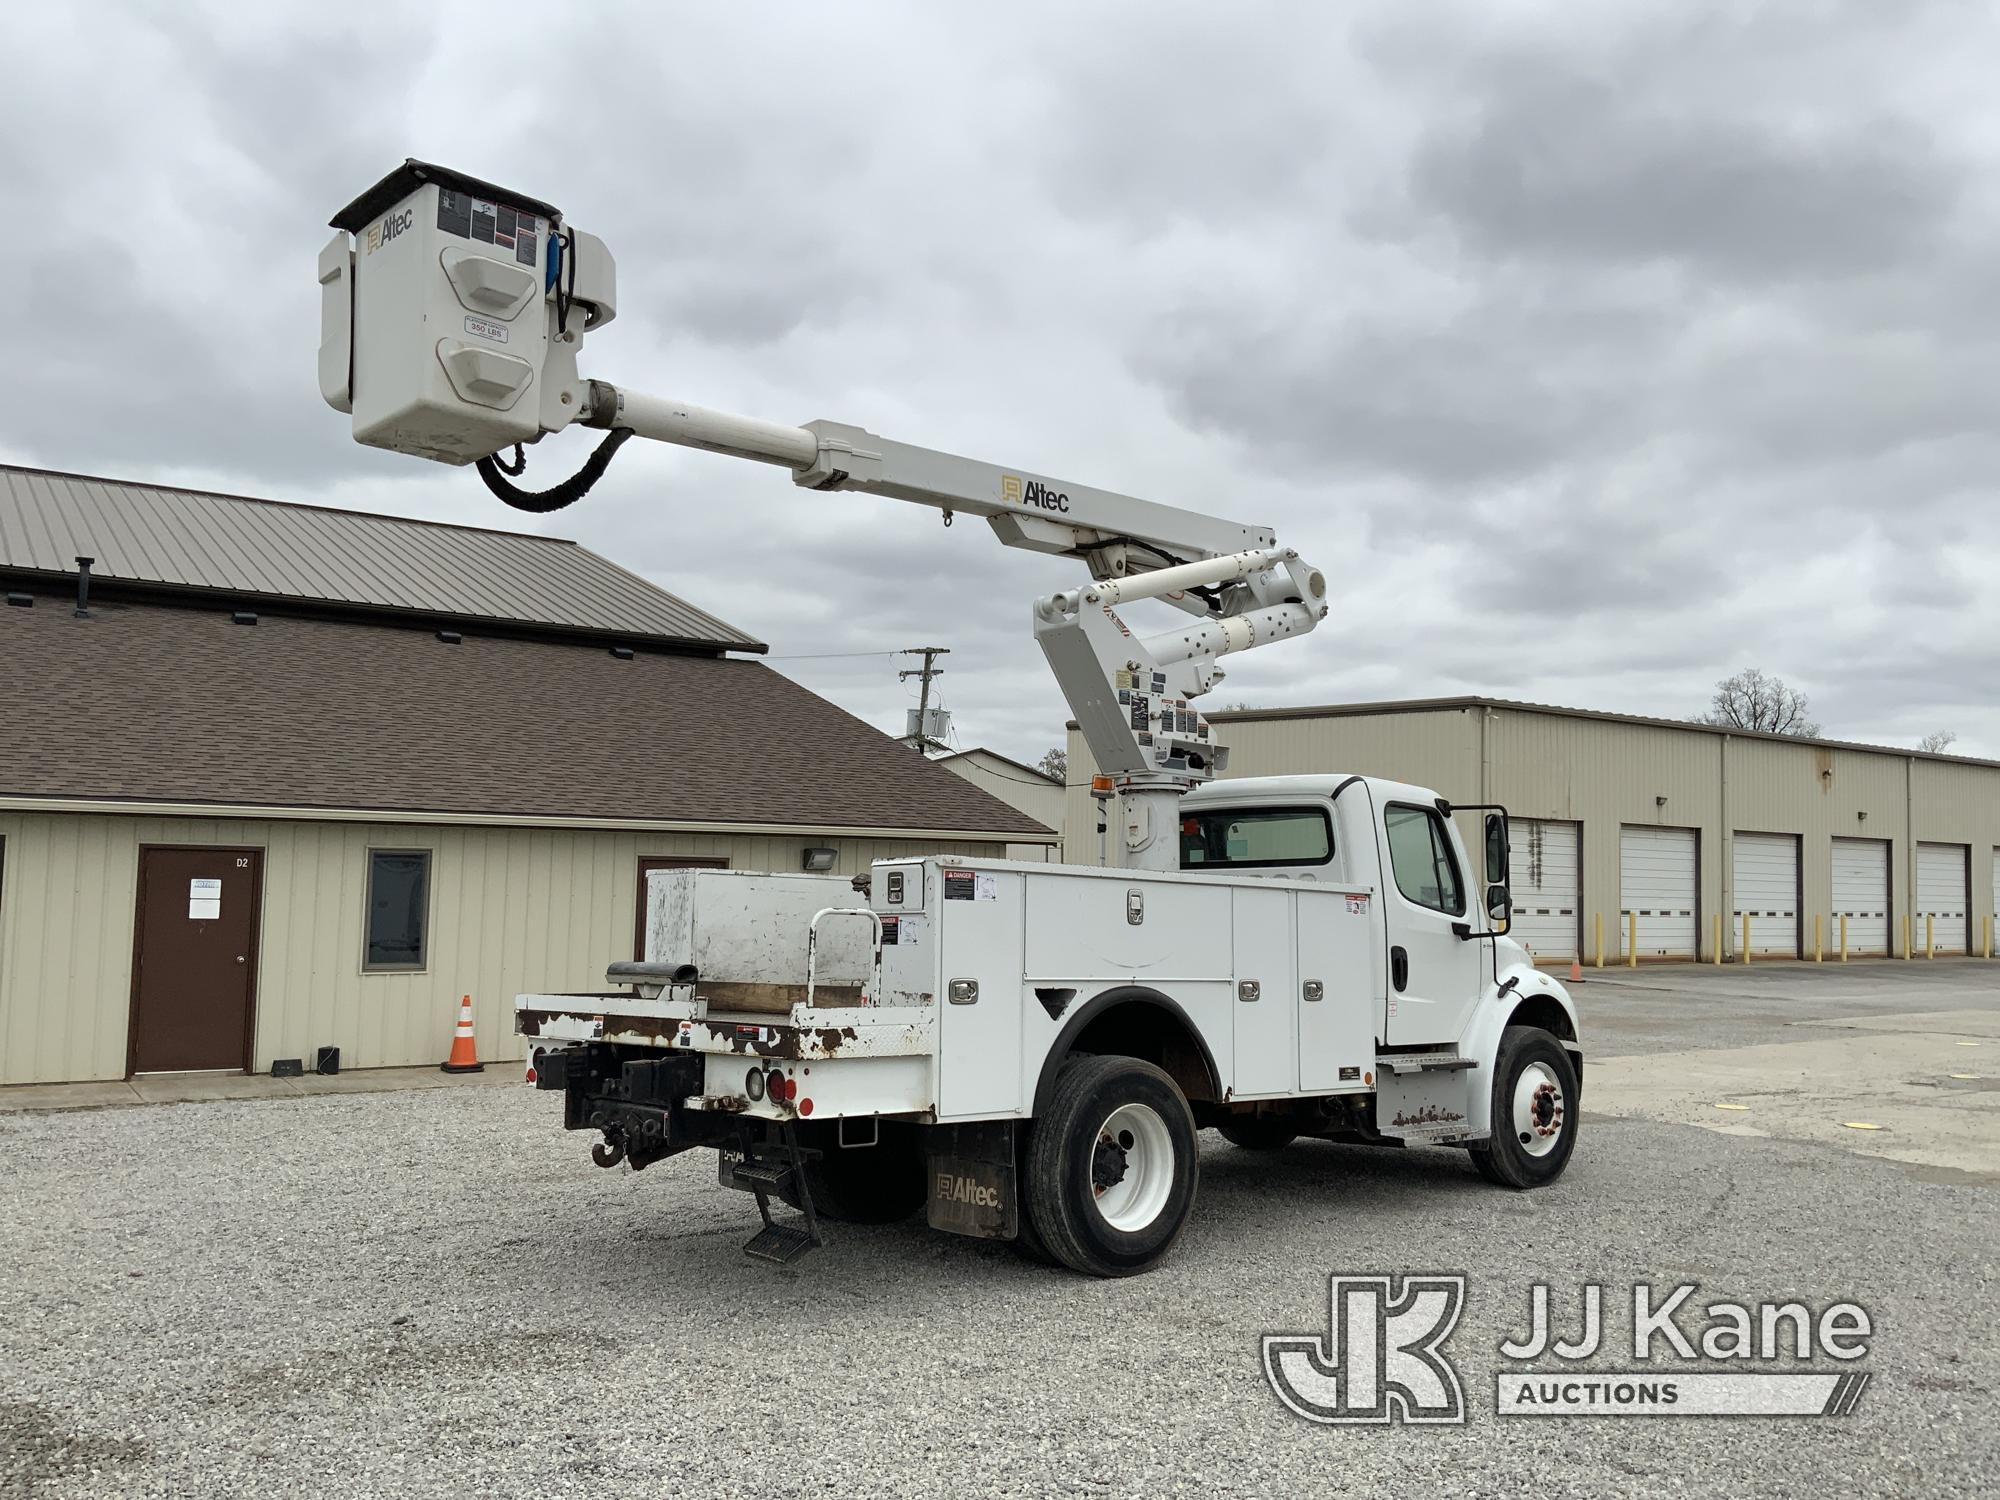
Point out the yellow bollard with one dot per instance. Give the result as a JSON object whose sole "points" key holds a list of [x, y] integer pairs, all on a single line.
{"points": [[1597, 921], [1843, 937], [1930, 947], [1631, 940], [1746, 937], [1816, 947], [1715, 938], [1906, 937]]}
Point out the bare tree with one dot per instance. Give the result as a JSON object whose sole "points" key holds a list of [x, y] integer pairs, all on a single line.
{"points": [[1752, 700], [1938, 741], [1054, 763]]}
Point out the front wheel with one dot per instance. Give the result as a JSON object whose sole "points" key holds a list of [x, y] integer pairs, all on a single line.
{"points": [[1111, 1166], [1534, 1119]]}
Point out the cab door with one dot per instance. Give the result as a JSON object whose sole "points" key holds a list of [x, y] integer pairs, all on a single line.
{"points": [[1434, 974]]}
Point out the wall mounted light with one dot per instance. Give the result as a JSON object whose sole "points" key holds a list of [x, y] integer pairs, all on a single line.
{"points": [[819, 861], [1659, 802], [1861, 817]]}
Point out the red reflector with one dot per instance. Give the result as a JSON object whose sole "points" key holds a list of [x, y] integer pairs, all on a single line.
{"points": [[805, 1106], [531, 1075]]}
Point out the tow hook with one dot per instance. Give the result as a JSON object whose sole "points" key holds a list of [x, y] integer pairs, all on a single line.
{"points": [[607, 1153]]}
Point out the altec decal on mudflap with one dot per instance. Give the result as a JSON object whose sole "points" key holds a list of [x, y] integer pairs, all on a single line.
{"points": [[973, 1197]]}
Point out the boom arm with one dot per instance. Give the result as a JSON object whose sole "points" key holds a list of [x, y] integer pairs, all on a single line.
{"points": [[514, 377]]}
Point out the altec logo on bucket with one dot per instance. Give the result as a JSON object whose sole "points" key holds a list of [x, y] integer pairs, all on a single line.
{"points": [[1382, 1358]]}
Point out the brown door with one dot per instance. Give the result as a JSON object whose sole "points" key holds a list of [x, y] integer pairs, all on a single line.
{"points": [[194, 971], [651, 862]]}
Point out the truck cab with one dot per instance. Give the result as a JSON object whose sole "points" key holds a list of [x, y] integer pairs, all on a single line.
{"points": [[1442, 918]]}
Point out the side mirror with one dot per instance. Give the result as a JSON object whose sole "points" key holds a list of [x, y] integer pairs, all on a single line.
{"points": [[1496, 848], [1500, 907]]}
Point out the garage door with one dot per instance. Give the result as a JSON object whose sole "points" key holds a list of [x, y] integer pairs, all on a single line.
{"points": [[1767, 888], [1861, 894], [1657, 881], [1941, 891], [1541, 870]]}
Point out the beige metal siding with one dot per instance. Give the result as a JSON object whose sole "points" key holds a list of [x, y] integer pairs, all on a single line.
{"points": [[1607, 773], [1037, 796], [511, 910]]}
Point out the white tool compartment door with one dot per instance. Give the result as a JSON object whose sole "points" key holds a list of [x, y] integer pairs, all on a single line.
{"points": [[1861, 894], [1657, 883], [979, 1039], [1336, 937], [1542, 872], [1941, 890], [1766, 868], [1264, 1030]]}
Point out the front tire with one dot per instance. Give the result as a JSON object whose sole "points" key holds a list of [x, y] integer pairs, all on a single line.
{"points": [[1534, 1115], [1112, 1166]]}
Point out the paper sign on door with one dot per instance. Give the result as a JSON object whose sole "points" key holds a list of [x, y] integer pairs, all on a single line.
{"points": [[204, 900]]}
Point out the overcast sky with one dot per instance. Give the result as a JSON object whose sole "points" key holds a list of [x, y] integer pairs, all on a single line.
{"points": [[1593, 351]]}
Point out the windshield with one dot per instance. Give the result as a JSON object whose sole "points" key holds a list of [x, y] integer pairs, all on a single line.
{"points": [[1243, 837]]}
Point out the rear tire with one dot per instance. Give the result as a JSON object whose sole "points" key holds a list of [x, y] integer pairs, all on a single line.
{"points": [[1111, 1167], [1534, 1113], [878, 1184], [1259, 1132]]}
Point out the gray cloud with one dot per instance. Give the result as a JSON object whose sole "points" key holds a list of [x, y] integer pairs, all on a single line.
{"points": [[1594, 352]]}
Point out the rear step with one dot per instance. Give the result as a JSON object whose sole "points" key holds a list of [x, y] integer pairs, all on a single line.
{"points": [[1428, 1062], [774, 1173], [780, 1244]]}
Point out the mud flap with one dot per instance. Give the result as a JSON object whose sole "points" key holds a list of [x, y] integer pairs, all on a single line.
{"points": [[972, 1180]]}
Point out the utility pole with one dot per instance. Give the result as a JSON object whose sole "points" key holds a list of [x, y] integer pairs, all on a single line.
{"points": [[922, 740]]}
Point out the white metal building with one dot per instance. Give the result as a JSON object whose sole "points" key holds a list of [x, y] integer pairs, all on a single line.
{"points": [[1672, 833]]}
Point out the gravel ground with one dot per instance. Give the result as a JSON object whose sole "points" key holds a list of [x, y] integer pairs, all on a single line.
{"points": [[431, 1293]]}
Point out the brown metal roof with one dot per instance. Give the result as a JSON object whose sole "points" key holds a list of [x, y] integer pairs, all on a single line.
{"points": [[163, 538], [160, 703]]}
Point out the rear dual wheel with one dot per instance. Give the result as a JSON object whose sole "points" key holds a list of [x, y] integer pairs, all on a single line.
{"points": [[1110, 1168]]}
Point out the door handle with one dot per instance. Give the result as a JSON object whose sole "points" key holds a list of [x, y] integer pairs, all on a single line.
{"points": [[241, 957], [1399, 967]]}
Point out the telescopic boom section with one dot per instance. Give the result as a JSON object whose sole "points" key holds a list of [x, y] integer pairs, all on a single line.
{"points": [[1132, 696], [512, 289]]}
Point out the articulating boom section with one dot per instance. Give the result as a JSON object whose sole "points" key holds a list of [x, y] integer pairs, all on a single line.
{"points": [[452, 314]]}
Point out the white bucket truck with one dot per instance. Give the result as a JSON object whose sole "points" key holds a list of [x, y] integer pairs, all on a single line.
{"points": [[1026, 1051]]}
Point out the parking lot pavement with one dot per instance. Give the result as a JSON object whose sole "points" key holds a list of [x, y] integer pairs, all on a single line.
{"points": [[434, 1293], [1888, 1059]]}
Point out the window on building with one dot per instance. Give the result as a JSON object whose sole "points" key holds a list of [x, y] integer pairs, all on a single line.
{"points": [[1426, 870], [399, 905], [1251, 836]]}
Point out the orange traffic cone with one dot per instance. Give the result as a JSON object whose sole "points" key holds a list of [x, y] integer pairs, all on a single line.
{"points": [[464, 1056], [1576, 971]]}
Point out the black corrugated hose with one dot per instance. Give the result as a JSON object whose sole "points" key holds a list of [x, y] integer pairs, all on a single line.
{"points": [[495, 472]]}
